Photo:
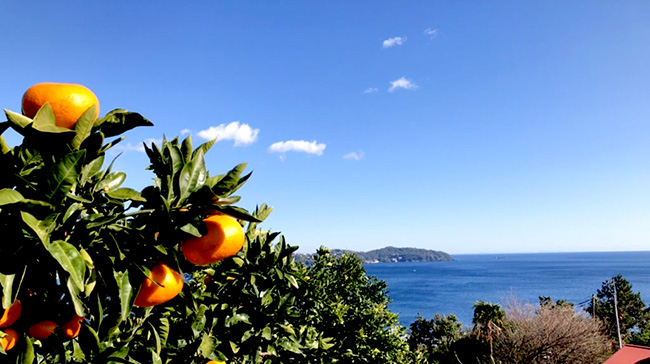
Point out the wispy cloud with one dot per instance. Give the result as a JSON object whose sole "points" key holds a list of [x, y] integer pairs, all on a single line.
{"points": [[402, 83], [302, 146], [394, 41], [242, 134], [129, 147], [185, 131], [370, 90], [355, 156], [432, 33]]}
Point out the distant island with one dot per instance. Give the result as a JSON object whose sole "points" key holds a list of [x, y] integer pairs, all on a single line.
{"points": [[388, 254]]}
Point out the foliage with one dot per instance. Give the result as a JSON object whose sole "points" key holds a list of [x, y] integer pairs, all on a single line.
{"points": [[344, 303], [548, 302], [549, 334], [488, 319], [633, 316], [244, 309], [435, 336]]}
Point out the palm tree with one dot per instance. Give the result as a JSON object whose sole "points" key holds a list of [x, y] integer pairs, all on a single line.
{"points": [[488, 317]]}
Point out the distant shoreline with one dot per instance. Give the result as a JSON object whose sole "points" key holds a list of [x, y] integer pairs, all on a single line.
{"points": [[386, 255]]}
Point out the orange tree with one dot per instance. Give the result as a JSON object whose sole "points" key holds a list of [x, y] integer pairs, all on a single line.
{"points": [[94, 272], [78, 250]]}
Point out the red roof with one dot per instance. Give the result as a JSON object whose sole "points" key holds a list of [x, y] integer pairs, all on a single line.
{"points": [[629, 354]]}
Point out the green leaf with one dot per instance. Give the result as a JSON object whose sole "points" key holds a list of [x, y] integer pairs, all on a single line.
{"points": [[234, 347], [111, 144], [43, 229], [291, 346], [207, 346], [118, 121], [192, 230], [126, 194], [186, 148], [163, 329], [240, 317], [203, 148], [237, 212], [44, 121], [64, 174], [173, 153], [70, 260], [77, 354], [7, 282], [156, 336], [199, 320], [230, 181], [126, 293], [91, 169], [75, 294], [29, 203], [71, 210], [110, 182], [83, 126], [266, 333], [289, 330], [27, 355], [247, 335], [9, 196], [155, 358], [292, 280], [326, 343], [18, 120], [192, 177], [93, 144], [4, 147]]}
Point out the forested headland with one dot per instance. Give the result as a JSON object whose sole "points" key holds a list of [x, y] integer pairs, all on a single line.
{"points": [[388, 254]]}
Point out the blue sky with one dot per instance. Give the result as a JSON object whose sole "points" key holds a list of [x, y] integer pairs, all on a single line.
{"points": [[468, 127]]}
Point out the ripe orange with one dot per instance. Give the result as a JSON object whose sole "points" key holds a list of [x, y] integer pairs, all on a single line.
{"points": [[216, 362], [224, 239], [9, 340], [42, 330], [68, 101], [11, 314], [71, 328], [170, 284]]}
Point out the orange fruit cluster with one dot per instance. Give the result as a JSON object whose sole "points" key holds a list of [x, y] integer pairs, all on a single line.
{"points": [[68, 101], [42, 330], [225, 236], [9, 316]]}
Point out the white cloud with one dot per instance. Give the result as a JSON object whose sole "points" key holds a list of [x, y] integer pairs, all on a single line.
{"points": [[432, 33], [403, 83], [242, 134], [298, 146], [370, 90], [185, 131], [355, 156], [392, 42]]}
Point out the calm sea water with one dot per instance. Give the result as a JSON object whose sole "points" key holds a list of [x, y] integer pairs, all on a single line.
{"points": [[453, 287]]}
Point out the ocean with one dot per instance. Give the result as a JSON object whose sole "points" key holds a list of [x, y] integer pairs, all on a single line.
{"points": [[453, 287]]}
